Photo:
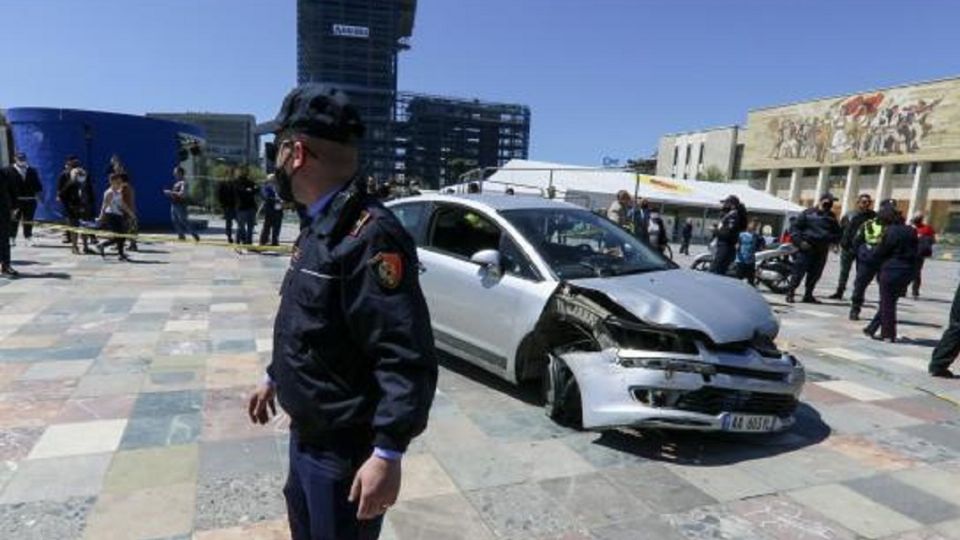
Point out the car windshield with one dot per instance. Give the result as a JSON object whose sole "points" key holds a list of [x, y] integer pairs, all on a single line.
{"points": [[579, 244]]}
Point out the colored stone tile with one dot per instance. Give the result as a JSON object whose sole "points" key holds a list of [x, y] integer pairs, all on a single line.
{"points": [[911, 446], [423, 477], [133, 470], [69, 369], [593, 500], [168, 403], [519, 511], [779, 517], [868, 452], [854, 390], [860, 417], [146, 431], [805, 467], [943, 434], [25, 413], [854, 511], [15, 443], [95, 408], [60, 440], [723, 483], [658, 488], [56, 479], [228, 307], [936, 480], [227, 502], [264, 530], [45, 519], [562, 461], [923, 407], [150, 513], [185, 325], [221, 459], [103, 385], [905, 499]]}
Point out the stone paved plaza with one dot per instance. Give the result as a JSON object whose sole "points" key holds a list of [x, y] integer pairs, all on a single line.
{"points": [[122, 415]]}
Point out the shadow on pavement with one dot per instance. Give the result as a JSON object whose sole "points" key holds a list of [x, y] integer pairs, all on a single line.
{"points": [[141, 261], [712, 448], [920, 342], [43, 275], [527, 393], [28, 263], [152, 251], [920, 324]]}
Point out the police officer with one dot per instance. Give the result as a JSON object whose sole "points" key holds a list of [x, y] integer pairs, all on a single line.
{"points": [[896, 257], [814, 231], [864, 242], [733, 222], [948, 347], [353, 359], [850, 224]]}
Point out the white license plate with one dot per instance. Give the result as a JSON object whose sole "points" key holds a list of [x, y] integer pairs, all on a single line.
{"points": [[749, 423]]}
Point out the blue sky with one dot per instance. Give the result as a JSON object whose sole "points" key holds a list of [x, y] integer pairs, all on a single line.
{"points": [[603, 77]]}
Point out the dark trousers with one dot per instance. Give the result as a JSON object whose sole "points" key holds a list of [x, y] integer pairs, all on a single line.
{"points": [[847, 257], [27, 209], [685, 246], [948, 348], [918, 279], [808, 264], [245, 222], [893, 283], [318, 486], [866, 273], [115, 224], [272, 221], [229, 215], [747, 271], [723, 258], [4, 241]]}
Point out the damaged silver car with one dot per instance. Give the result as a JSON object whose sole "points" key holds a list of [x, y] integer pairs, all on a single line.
{"points": [[546, 292]]}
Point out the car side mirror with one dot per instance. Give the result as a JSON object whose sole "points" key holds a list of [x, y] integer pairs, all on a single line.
{"points": [[488, 259]]}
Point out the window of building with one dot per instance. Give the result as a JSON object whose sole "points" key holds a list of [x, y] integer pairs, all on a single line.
{"points": [[686, 159], [945, 166], [700, 157], [676, 154]]}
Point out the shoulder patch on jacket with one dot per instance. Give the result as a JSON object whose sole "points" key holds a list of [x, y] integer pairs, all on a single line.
{"points": [[388, 267]]}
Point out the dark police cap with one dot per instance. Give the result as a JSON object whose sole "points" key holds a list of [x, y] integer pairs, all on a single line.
{"points": [[888, 203], [321, 111]]}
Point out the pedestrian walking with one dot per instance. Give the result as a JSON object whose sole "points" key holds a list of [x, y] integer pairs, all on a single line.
{"points": [[814, 231], [26, 188], [657, 233], [732, 223], [70, 163], [926, 238], [227, 198], [246, 191], [686, 233], [114, 215], [272, 210], [178, 205], [749, 242], [948, 347], [896, 257], [850, 224], [865, 241], [77, 198], [353, 359], [7, 201], [129, 195]]}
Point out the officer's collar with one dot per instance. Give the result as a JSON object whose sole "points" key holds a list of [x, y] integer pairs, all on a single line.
{"points": [[334, 214]]}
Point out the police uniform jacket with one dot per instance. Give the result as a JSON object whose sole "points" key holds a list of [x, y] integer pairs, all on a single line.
{"points": [[353, 347], [815, 227], [897, 249], [26, 186], [851, 227], [731, 225], [8, 193]]}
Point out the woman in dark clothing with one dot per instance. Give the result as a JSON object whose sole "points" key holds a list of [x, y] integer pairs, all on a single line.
{"points": [[896, 256]]}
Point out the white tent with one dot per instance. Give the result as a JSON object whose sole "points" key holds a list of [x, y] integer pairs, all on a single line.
{"points": [[596, 188]]}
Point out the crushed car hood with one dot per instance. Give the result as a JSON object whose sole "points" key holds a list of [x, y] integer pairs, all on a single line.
{"points": [[725, 309]]}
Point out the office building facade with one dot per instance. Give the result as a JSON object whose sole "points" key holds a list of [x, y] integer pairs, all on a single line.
{"points": [[353, 44], [231, 138], [713, 152], [440, 138]]}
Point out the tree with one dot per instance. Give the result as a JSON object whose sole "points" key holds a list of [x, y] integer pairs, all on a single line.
{"points": [[713, 174], [642, 165]]}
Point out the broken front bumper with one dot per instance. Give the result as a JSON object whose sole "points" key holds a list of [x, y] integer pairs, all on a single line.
{"points": [[709, 391]]}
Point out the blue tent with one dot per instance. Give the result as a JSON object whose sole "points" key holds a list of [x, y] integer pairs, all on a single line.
{"points": [[149, 149]]}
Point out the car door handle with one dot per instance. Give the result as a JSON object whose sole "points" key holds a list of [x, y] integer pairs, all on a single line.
{"points": [[421, 268]]}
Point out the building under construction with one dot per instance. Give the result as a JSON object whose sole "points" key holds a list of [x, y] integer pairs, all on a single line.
{"points": [[442, 137], [353, 44]]}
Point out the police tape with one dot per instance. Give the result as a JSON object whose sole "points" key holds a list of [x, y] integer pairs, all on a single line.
{"points": [[157, 238]]}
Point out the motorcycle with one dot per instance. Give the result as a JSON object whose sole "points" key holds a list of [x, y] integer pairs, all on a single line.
{"points": [[773, 266]]}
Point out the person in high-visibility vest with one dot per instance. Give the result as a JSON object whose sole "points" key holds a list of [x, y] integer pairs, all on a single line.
{"points": [[866, 240]]}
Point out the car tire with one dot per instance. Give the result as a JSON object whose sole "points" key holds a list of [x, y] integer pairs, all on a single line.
{"points": [[561, 395]]}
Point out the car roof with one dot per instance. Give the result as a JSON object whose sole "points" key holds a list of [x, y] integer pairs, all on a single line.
{"points": [[494, 202]]}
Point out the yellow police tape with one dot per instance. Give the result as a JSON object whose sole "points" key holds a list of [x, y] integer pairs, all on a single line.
{"points": [[158, 238]]}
